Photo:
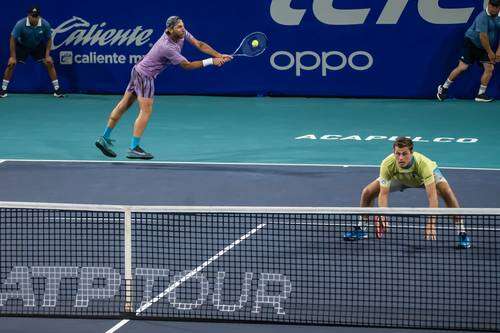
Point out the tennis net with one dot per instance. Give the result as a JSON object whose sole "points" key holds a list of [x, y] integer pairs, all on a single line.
{"points": [[251, 264]]}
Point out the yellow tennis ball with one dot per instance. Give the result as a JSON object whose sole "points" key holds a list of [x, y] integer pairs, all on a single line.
{"points": [[255, 43]]}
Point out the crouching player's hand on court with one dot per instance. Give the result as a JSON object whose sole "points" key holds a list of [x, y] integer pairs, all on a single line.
{"points": [[430, 229], [381, 225]]}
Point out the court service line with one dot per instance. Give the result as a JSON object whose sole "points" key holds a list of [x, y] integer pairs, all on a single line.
{"points": [[188, 276], [234, 163]]}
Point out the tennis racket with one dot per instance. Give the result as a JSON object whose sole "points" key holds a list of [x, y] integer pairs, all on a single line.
{"points": [[252, 45]]}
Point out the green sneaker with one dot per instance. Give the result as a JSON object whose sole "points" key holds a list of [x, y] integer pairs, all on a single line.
{"points": [[105, 146]]}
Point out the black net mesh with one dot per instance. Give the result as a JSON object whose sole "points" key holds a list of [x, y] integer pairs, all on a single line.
{"points": [[265, 267]]}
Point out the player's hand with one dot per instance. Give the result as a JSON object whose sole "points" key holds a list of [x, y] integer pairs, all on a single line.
{"points": [[381, 225], [48, 60], [227, 57], [219, 62], [498, 58], [492, 56], [430, 229], [12, 61]]}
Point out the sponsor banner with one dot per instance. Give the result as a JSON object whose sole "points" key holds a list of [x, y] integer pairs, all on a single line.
{"points": [[389, 48]]}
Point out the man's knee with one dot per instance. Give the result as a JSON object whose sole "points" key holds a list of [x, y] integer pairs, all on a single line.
{"points": [[146, 105], [11, 66], [488, 69], [462, 66], [114, 117]]}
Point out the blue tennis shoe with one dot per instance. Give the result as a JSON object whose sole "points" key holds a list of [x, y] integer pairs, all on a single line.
{"points": [[355, 234], [464, 241], [139, 154], [105, 145]]}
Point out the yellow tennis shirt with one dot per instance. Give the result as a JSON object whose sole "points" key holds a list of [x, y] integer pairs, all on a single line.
{"points": [[421, 171]]}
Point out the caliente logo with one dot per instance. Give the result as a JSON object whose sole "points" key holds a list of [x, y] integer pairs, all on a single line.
{"points": [[77, 31]]}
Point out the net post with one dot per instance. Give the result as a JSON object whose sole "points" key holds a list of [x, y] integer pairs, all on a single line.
{"points": [[128, 260]]}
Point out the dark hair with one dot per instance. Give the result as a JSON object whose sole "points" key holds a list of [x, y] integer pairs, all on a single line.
{"points": [[495, 3], [402, 142], [172, 21]]}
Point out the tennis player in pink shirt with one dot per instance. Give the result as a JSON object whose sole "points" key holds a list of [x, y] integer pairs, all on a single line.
{"points": [[165, 52]]}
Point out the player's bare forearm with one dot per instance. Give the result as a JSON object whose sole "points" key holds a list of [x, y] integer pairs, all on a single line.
{"points": [[430, 226], [485, 42], [383, 198], [207, 49], [48, 48], [12, 46], [191, 65], [432, 195]]}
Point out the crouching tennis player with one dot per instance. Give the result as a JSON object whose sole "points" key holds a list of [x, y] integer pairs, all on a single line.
{"points": [[404, 169]]}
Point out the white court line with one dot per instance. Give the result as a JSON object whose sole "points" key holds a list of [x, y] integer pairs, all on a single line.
{"points": [[234, 163], [188, 276], [1, 161]]}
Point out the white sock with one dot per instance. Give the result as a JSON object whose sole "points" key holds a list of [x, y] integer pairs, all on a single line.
{"points": [[55, 83], [447, 84], [482, 89], [5, 84]]}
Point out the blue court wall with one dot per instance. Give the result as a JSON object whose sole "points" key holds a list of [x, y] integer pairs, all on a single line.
{"points": [[345, 48]]}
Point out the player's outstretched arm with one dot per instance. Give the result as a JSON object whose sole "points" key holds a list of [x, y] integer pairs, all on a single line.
{"points": [[432, 195], [430, 226], [207, 49], [485, 42], [383, 197], [190, 65]]}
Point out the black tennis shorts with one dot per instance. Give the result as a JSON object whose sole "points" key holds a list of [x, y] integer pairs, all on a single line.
{"points": [[38, 53], [471, 53]]}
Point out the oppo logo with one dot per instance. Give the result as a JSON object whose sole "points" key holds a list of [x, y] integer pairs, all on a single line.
{"points": [[328, 61], [325, 11]]}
